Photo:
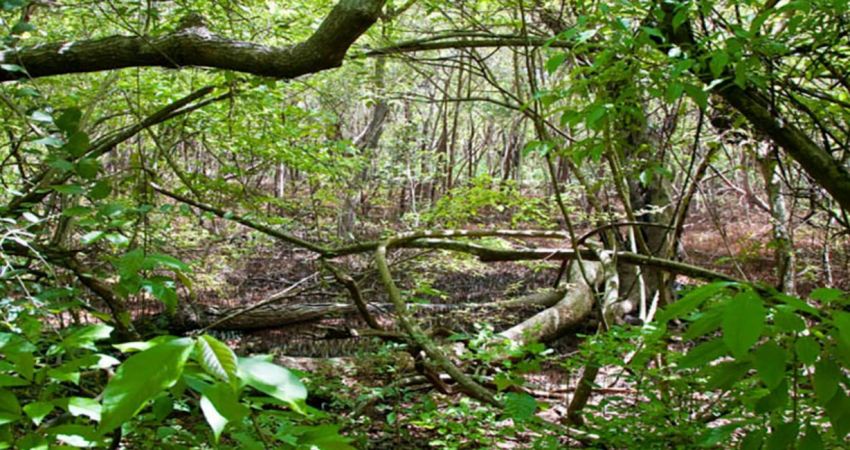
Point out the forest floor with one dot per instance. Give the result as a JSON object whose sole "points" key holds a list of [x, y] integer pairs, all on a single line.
{"points": [[739, 247]]}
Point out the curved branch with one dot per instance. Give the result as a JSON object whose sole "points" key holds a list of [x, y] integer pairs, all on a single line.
{"points": [[196, 46]]}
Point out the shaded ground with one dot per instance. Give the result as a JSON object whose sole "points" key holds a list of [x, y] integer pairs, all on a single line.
{"points": [[256, 270]]}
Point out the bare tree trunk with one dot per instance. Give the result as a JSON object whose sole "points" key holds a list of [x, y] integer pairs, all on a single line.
{"points": [[782, 239]]}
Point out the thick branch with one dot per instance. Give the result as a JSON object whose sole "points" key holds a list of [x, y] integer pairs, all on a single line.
{"points": [[196, 46]]}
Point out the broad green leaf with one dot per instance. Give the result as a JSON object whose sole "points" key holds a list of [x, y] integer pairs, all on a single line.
{"points": [[811, 440], [41, 116], [69, 189], [142, 377], [131, 263], [88, 168], [519, 406], [826, 294], [743, 321], [787, 320], [753, 440], [69, 120], [91, 237], [769, 360], [10, 380], [162, 407], [220, 405], [555, 62], [81, 406], [325, 437], [11, 343], [827, 377], [841, 320], [215, 419], [775, 400], [726, 374], [37, 411], [717, 435], [168, 262], [32, 442], [75, 435], [703, 354], [718, 63], [706, 322], [86, 336], [808, 349], [49, 141], [100, 190], [782, 435], [218, 359], [10, 409], [838, 410], [78, 144], [273, 380], [692, 300]]}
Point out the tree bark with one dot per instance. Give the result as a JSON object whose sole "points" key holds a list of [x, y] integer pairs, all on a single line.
{"points": [[196, 46]]}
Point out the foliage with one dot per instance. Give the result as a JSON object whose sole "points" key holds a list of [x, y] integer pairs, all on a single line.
{"points": [[483, 198], [768, 365]]}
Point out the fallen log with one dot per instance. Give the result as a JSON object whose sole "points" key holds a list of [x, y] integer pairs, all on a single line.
{"points": [[271, 315]]}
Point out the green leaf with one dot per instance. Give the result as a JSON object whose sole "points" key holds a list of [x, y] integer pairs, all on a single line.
{"points": [[838, 410], [32, 442], [69, 120], [775, 400], [692, 300], [812, 440], [92, 237], [135, 382], [78, 144], [725, 374], [841, 320], [325, 437], [555, 62], [220, 405], [743, 321], [826, 294], [674, 91], [697, 94], [69, 189], [782, 435], [706, 323], [218, 359], [37, 411], [10, 409], [80, 406], [49, 141], [519, 406], [10, 380], [131, 263], [41, 116], [215, 419], [770, 363], [11, 344], [808, 349], [827, 377], [753, 440], [88, 168], [718, 63], [100, 190], [168, 262], [274, 381], [703, 354], [787, 320]]}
